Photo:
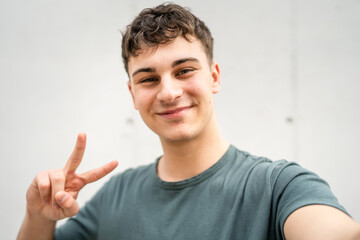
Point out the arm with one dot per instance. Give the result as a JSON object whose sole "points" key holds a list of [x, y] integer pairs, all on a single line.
{"points": [[52, 194], [320, 222], [36, 227]]}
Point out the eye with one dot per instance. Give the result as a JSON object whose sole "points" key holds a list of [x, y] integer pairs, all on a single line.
{"points": [[184, 71], [148, 80]]}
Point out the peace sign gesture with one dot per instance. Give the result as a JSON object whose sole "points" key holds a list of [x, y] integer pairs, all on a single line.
{"points": [[52, 194]]}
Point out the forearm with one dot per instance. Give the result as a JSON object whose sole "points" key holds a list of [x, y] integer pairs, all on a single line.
{"points": [[320, 222], [357, 235], [36, 227]]}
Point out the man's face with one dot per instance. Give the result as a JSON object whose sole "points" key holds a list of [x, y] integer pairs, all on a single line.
{"points": [[172, 87]]}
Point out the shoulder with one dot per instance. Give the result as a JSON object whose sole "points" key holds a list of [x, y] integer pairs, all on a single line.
{"points": [[273, 169], [276, 177], [250, 165]]}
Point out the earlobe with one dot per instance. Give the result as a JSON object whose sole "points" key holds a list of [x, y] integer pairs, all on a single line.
{"points": [[132, 94], [215, 73]]}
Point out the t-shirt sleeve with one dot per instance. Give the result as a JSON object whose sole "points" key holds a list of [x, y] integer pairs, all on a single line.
{"points": [[296, 187], [85, 224]]}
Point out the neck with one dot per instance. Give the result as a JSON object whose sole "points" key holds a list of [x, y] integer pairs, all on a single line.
{"points": [[183, 160]]}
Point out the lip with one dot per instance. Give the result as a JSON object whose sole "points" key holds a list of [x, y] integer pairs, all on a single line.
{"points": [[174, 113]]}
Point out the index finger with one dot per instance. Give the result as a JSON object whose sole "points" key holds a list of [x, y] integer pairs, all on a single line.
{"points": [[77, 154]]}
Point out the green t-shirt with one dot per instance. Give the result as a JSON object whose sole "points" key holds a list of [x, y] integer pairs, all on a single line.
{"points": [[239, 197]]}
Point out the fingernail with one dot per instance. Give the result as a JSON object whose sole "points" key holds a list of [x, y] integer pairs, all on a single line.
{"points": [[63, 198]]}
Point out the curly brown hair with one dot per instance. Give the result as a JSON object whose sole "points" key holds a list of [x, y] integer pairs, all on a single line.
{"points": [[161, 25]]}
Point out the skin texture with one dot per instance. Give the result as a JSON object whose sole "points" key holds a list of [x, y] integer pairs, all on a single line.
{"points": [[172, 87], [319, 222], [52, 194], [175, 76]]}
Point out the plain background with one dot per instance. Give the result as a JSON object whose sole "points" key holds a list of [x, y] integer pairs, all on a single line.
{"points": [[290, 89]]}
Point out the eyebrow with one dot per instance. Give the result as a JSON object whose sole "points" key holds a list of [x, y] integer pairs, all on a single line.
{"points": [[181, 61], [174, 64], [143, 70]]}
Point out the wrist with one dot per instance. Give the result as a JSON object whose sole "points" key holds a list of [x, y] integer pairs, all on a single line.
{"points": [[38, 218], [36, 226]]}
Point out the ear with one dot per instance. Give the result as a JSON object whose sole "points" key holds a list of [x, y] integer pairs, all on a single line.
{"points": [[132, 93], [215, 74]]}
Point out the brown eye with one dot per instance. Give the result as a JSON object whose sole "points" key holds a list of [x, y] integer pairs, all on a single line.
{"points": [[184, 71], [146, 80]]}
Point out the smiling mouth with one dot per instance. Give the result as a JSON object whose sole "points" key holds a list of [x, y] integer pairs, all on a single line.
{"points": [[174, 113]]}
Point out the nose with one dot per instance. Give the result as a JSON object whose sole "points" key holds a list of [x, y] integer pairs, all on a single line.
{"points": [[169, 91]]}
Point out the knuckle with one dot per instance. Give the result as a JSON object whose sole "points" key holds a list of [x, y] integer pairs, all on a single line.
{"points": [[70, 207], [75, 209], [78, 148], [57, 176], [43, 186], [41, 175], [94, 176], [72, 212], [42, 180]]}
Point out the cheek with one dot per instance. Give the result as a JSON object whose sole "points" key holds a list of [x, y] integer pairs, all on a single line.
{"points": [[142, 99], [199, 88]]}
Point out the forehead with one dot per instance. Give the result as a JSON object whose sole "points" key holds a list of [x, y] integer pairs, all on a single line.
{"points": [[165, 54]]}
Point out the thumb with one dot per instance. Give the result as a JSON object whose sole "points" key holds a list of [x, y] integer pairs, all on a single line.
{"points": [[67, 203]]}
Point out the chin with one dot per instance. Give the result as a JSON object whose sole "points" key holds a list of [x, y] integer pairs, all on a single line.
{"points": [[178, 137]]}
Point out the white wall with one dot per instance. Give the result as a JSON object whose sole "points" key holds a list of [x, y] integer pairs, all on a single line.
{"points": [[290, 73]]}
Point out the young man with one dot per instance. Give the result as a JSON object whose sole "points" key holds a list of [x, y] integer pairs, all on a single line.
{"points": [[202, 187]]}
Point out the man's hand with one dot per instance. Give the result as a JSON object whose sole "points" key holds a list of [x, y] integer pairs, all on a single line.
{"points": [[52, 194]]}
